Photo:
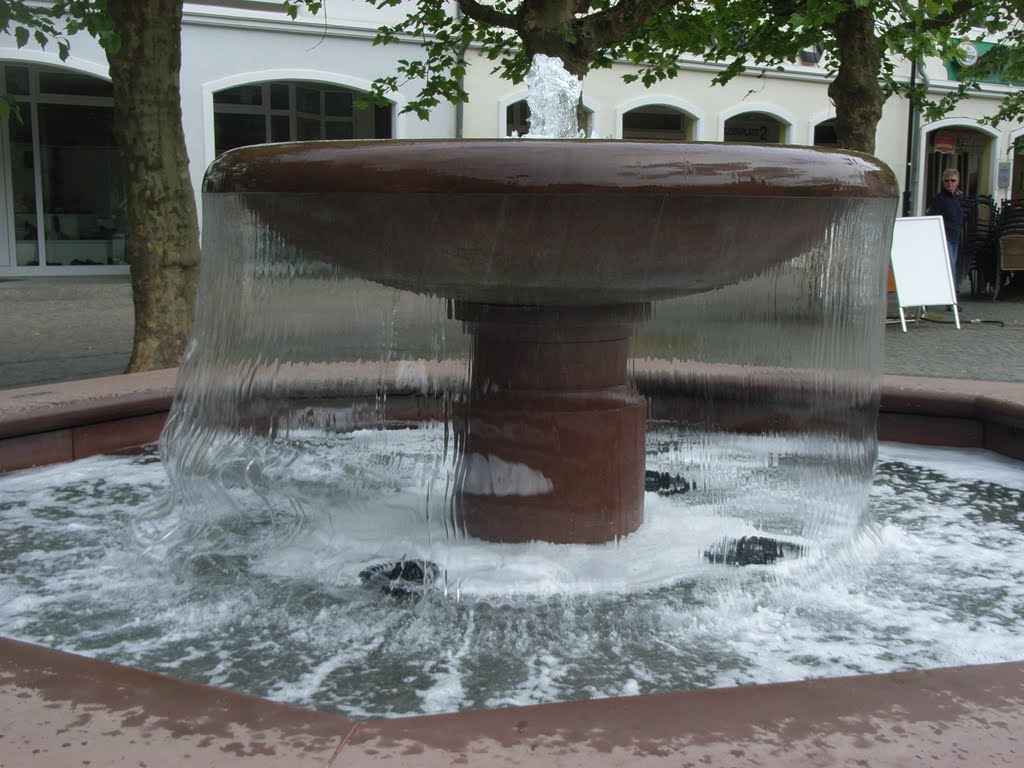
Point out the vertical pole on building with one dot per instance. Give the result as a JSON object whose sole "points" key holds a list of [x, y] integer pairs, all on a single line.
{"points": [[912, 131], [460, 112]]}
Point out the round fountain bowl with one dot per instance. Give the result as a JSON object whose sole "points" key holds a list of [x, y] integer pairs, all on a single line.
{"points": [[548, 222]]}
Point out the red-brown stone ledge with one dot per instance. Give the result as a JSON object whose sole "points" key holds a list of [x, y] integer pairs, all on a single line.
{"points": [[32, 410], [62, 710], [953, 412], [71, 420], [57, 709], [954, 397], [61, 422]]}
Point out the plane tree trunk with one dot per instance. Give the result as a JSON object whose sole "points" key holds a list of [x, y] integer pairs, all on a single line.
{"points": [[856, 90], [163, 229]]}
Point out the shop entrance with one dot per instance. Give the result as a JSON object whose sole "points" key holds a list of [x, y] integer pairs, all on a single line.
{"points": [[657, 121], [966, 149]]}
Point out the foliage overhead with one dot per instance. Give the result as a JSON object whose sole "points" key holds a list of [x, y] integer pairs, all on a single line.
{"points": [[55, 22], [585, 34], [866, 37], [769, 33]]}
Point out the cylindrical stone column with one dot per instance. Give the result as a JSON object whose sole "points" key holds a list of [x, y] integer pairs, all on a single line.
{"points": [[552, 433]]}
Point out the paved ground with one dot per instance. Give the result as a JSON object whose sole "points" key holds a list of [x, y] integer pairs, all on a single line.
{"points": [[62, 329]]}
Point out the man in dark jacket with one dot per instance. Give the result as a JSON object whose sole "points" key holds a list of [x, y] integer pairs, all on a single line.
{"points": [[947, 205]]}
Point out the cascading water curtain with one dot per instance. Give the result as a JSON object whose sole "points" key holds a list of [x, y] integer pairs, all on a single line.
{"points": [[766, 392], [310, 404], [317, 412]]}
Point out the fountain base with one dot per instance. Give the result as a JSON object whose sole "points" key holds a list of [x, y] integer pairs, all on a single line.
{"points": [[552, 435], [554, 469]]}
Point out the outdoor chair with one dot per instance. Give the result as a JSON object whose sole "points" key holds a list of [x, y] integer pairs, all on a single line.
{"points": [[1011, 256]]}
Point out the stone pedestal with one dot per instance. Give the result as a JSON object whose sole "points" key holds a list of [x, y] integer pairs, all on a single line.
{"points": [[551, 438]]}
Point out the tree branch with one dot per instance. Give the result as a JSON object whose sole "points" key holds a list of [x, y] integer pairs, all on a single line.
{"points": [[607, 27], [487, 15], [943, 20]]}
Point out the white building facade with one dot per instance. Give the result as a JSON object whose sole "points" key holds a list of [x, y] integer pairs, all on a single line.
{"points": [[250, 75]]}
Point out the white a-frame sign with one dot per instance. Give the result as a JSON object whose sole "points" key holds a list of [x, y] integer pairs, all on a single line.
{"points": [[920, 265]]}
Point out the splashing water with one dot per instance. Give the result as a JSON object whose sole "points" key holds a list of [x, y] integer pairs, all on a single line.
{"points": [[553, 95], [937, 579]]}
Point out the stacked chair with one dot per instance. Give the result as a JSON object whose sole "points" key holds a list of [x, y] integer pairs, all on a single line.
{"points": [[979, 245], [1010, 248]]}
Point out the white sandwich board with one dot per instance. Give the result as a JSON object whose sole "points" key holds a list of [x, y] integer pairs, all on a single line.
{"points": [[920, 265]]}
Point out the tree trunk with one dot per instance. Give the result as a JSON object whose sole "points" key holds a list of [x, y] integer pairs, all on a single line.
{"points": [[163, 228], [545, 26], [856, 91]]}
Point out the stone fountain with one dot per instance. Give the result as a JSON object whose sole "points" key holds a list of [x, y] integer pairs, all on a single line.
{"points": [[550, 253], [550, 259]]}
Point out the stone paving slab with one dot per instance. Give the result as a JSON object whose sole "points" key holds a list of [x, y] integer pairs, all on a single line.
{"points": [[64, 329], [988, 346], [57, 709]]}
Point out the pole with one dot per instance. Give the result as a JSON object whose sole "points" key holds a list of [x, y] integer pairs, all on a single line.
{"points": [[912, 131]]}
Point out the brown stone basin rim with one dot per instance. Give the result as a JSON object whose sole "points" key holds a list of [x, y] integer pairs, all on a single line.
{"points": [[546, 166]]}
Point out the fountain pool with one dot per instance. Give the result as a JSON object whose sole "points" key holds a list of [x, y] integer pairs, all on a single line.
{"points": [[331, 435], [936, 578]]}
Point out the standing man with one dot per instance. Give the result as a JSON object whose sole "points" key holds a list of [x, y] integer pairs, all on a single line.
{"points": [[947, 205]]}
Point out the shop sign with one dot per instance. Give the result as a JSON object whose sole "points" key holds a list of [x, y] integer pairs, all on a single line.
{"points": [[944, 143], [967, 54], [747, 130], [963, 142], [1003, 176]]}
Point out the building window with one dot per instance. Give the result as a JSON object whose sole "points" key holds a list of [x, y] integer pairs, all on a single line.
{"points": [[63, 181], [261, 113], [656, 122], [754, 128], [825, 134], [1017, 183]]}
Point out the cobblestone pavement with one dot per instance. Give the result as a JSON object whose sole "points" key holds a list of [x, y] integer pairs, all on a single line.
{"points": [[62, 329], [988, 346]]}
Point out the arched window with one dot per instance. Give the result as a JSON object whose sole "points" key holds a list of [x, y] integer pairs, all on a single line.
{"points": [[261, 113], [656, 121], [517, 119], [755, 128], [825, 134], [62, 184]]}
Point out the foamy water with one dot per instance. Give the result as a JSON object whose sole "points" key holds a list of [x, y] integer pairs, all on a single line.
{"points": [[936, 578]]}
